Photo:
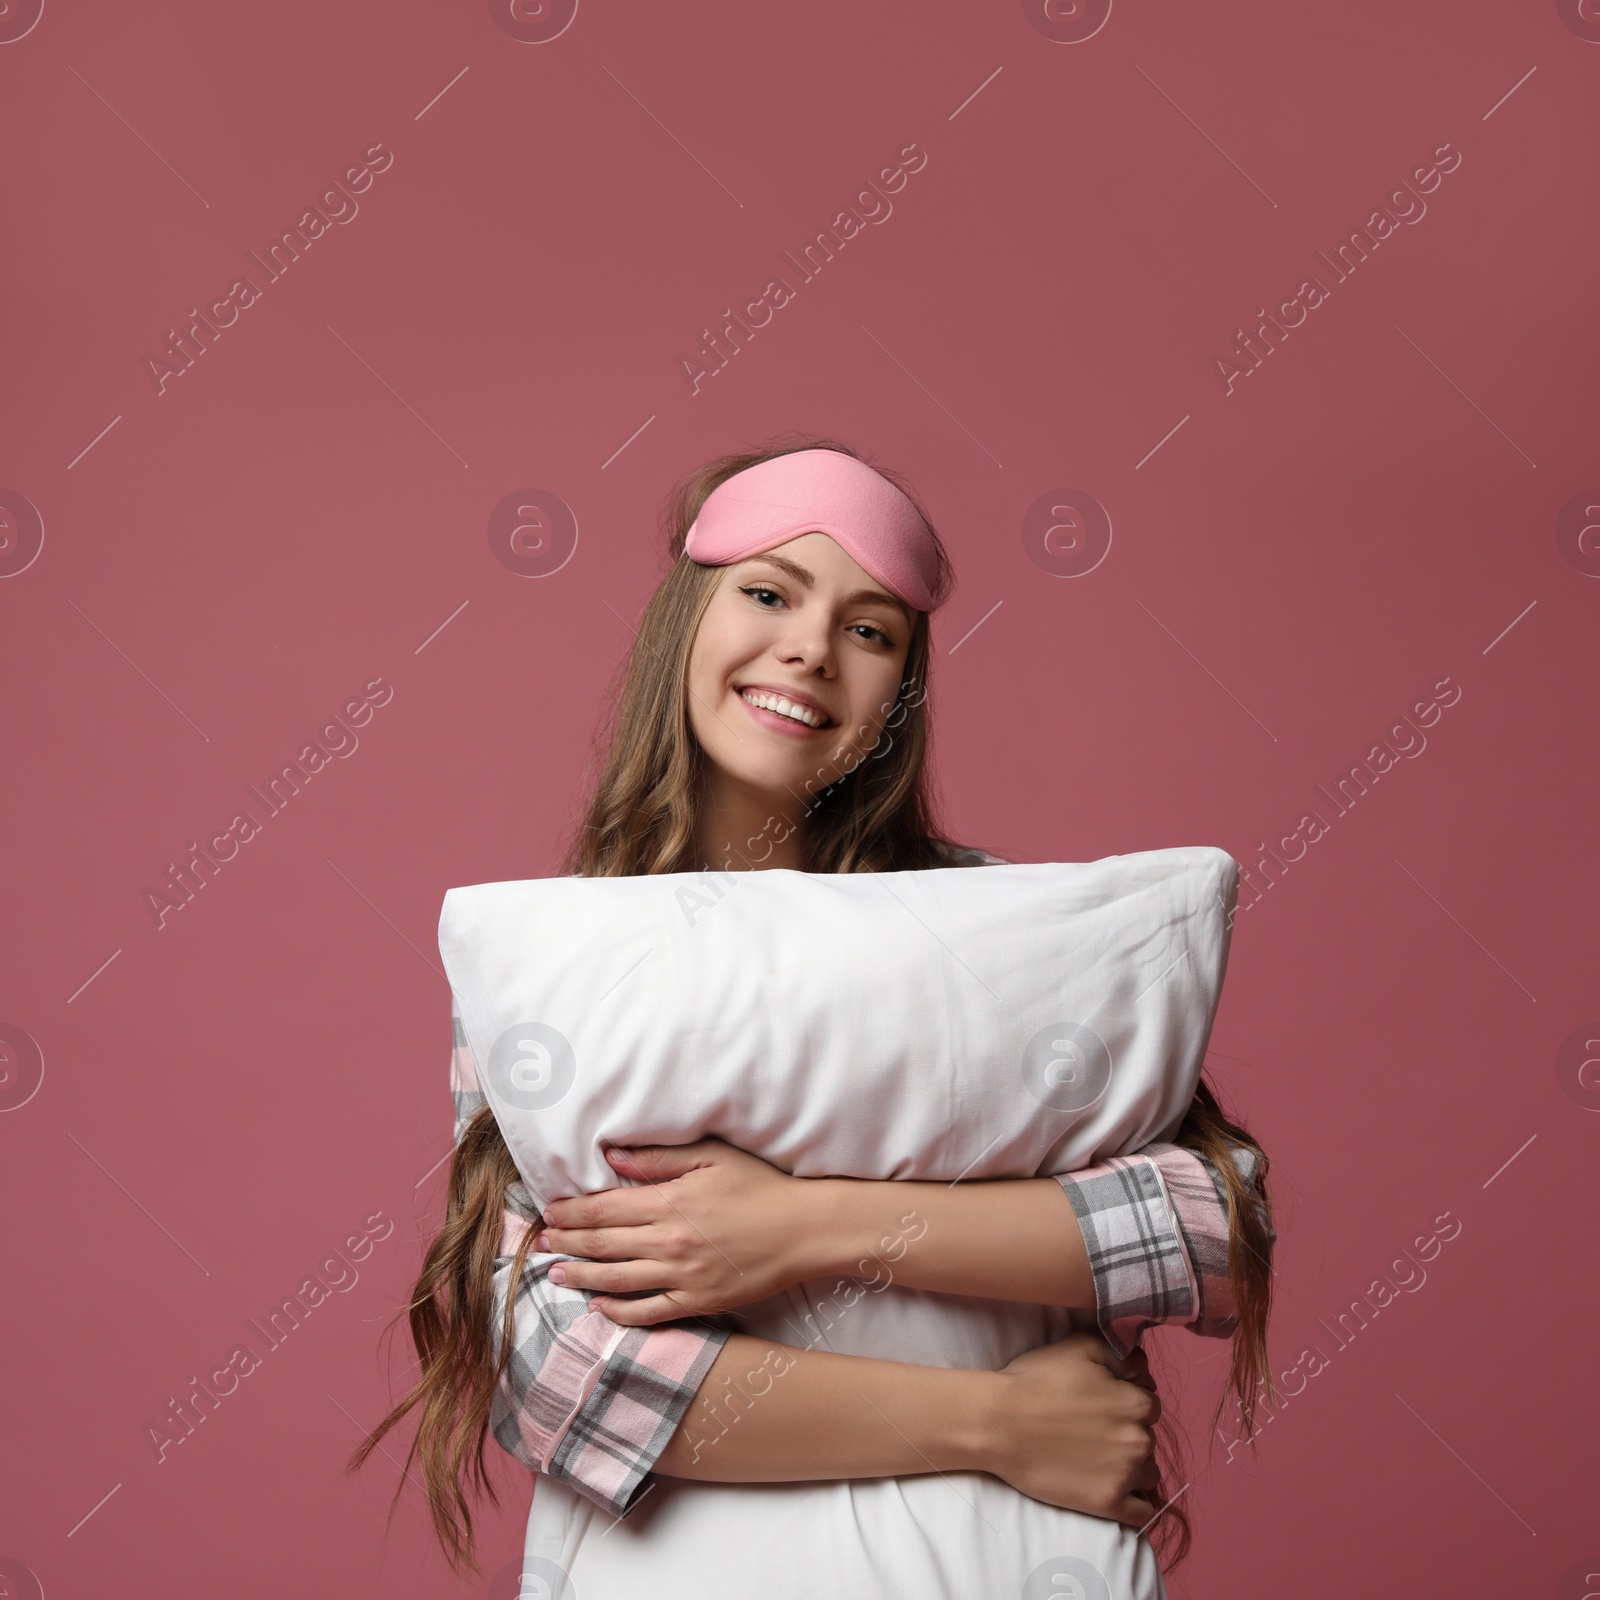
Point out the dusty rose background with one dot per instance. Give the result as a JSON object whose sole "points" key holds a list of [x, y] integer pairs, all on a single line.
{"points": [[247, 536]]}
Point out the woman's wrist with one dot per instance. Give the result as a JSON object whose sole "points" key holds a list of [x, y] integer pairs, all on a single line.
{"points": [[971, 1427], [855, 1227]]}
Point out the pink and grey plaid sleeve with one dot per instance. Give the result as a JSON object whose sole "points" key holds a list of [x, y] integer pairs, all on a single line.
{"points": [[1155, 1226], [583, 1398]]}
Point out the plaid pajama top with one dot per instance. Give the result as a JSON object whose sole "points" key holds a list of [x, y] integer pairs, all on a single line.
{"points": [[594, 1403]]}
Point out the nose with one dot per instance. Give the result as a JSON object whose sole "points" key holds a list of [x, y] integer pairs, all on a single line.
{"points": [[807, 642]]}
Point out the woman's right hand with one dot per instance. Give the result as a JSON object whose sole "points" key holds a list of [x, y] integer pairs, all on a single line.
{"points": [[1064, 1428]]}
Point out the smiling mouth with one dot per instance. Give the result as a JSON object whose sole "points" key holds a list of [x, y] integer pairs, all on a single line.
{"points": [[785, 707]]}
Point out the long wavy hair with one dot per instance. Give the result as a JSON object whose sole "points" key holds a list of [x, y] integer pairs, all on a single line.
{"points": [[641, 818]]}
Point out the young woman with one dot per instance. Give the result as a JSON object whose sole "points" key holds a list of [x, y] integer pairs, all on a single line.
{"points": [[774, 714]]}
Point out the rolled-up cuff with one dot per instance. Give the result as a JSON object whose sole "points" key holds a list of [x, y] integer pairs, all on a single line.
{"points": [[583, 1398], [1142, 1275], [632, 1409]]}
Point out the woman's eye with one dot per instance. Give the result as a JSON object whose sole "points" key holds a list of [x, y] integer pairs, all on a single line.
{"points": [[876, 635], [761, 594]]}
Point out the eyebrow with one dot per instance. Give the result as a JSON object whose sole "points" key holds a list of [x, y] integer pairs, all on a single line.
{"points": [[808, 580]]}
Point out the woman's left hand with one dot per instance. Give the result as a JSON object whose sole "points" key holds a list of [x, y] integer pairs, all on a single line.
{"points": [[714, 1227]]}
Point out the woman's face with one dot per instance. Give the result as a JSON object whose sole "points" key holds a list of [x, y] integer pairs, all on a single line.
{"points": [[795, 668]]}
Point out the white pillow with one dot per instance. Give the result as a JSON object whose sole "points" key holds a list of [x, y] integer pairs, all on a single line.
{"points": [[1004, 1021]]}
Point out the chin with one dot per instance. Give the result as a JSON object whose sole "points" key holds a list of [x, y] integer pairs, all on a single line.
{"points": [[783, 780]]}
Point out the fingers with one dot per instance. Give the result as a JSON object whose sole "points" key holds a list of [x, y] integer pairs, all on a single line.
{"points": [[627, 1277], [1094, 1347], [597, 1244], [659, 1162], [609, 1208], [1134, 1369], [1140, 1404], [642, 1313], [1135, 1512]]}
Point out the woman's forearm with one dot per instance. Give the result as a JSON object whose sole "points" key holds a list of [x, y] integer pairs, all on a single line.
{"points": [[718, 1227], [1055, 1423], [772, 1413], [1000, 1238]]}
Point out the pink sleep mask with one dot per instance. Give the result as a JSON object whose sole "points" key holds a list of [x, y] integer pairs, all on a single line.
{"points": [[820, 491]]}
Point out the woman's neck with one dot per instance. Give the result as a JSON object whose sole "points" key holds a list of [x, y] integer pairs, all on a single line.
{"points": [[743, 829]]}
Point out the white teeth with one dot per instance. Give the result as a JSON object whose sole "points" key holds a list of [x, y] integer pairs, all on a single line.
{"points": [[784, 707]]}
